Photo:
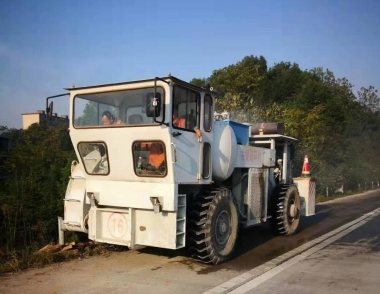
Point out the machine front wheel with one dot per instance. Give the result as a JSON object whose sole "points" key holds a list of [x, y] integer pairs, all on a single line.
{"points": [[213, 227]]}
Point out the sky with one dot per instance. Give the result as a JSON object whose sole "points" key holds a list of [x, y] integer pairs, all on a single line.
{"points": [[48, 45]]}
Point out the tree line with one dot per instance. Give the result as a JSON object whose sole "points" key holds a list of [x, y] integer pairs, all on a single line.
{"points": [[336, 128]]}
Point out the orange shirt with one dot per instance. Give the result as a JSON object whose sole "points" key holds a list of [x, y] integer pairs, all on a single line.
{"points": [[156, 159], [181, 123]]}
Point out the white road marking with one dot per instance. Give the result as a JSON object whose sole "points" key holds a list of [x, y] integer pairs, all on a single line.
{"points": [[264, 272]]}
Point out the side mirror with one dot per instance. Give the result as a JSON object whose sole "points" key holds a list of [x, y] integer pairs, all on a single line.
{"points": [[153, 105]]}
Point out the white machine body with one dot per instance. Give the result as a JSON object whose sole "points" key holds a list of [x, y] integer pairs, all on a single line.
{"points": [[122, 190]]}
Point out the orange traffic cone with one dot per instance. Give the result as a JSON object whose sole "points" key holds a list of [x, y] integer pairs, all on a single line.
{"points": [[305, 167]]}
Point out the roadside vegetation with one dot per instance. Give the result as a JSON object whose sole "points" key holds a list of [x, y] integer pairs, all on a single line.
{"points": [[34, 177], [337, 128]]}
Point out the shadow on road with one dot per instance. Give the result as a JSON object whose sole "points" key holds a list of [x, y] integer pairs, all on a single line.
{"points": [[255, 246]]}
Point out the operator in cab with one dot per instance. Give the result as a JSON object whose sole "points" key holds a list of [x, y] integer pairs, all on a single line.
{"points": [[181, 123], [109, 119]]}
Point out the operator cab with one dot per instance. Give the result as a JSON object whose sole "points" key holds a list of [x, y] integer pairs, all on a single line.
{"points": [[155, 124]]}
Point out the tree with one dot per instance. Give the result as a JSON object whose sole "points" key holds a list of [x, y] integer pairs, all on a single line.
{"points": [[31, 197], [89, 116], [369, 98], [282, 82], [200, 82], [237, 87], [339, 131]]}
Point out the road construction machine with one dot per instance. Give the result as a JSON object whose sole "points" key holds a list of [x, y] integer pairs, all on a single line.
{"points": [[157, 166]]}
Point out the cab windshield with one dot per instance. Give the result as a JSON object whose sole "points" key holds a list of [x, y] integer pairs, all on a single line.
{"points": [[118, 108]]}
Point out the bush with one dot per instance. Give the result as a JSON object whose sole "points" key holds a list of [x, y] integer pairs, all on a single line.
{"points": [[37, 170]]}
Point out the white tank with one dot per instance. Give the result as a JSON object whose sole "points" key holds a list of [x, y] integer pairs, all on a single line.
{"points": [[224, 151]]}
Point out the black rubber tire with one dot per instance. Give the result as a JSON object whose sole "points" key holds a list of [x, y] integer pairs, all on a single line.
{"points": [[213, 227], [283, 197]]}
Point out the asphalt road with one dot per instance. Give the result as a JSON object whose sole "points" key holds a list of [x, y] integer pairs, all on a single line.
{"points": [[348, 262], [165, 271]]}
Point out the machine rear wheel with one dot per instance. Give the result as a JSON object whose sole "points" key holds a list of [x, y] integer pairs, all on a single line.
{"points": [[286, 210], [213, 227]]}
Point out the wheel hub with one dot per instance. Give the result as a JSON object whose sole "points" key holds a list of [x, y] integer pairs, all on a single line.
{"points": [[222, 228], [293, 210]]}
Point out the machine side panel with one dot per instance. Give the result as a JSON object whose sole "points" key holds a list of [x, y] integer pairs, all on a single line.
{"points": [[158, 230], [249, 156], [164, 230]]}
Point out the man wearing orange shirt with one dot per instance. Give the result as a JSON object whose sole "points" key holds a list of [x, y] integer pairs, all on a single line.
{"points": [[181, 123]]}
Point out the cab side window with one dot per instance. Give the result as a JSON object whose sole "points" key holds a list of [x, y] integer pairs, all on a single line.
{"points": [[185, 109], [208, 114]]}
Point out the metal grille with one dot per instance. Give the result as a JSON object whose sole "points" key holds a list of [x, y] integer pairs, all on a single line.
{"points": [[257, 195]]}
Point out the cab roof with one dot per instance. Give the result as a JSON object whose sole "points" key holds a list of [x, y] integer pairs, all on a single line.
{"points": [[167, 79]]}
